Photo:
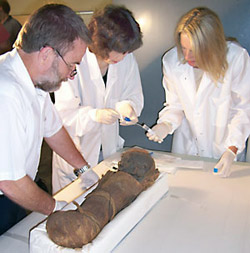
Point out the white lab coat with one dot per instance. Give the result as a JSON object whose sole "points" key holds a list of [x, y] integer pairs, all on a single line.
{"points": [[27, 115], [215, 116], [78, 100]]}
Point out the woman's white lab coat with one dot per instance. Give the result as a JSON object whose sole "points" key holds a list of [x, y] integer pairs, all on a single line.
{"points": [[215, 116], [77, 101]]}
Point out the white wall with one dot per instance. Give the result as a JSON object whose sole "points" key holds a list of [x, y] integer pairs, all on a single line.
{"points": [[161, 17], [22, 9]]}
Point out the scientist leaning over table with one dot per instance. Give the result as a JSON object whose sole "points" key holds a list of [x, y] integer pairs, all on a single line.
{"points": [[106, 89], [46, 53], [207, 85]]}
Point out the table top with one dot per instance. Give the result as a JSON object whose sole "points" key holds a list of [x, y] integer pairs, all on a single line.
{"points": [[200, 213]]}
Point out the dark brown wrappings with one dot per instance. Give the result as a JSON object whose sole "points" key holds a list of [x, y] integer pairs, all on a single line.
{"points": [[115, 191]]}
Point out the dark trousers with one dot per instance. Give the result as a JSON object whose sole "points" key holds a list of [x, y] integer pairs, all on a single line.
{"points": [[10, 213]]}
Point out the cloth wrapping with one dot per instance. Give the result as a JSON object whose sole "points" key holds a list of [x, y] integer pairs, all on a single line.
{"points": [[113, 232], [115, 191], [75, 228]]}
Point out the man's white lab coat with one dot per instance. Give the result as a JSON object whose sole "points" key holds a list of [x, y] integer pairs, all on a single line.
{"points": [[215, 116], [27, 115], [78, 100]]}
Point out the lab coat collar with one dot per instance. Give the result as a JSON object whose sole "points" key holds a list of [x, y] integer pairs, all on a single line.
{"points": [[21, 72], [188, 79], [23, 78], [96, 75], [92, 62]]}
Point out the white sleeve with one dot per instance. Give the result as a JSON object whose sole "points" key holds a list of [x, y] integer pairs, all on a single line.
{"points": [[238, 127], [172, 111], [13, 141], [52, 120]]}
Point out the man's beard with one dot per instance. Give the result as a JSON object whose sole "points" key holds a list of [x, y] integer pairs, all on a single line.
{"points": [[52, 81]]}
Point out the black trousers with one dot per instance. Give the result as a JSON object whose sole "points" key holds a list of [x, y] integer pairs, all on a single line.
{"points": [[10, 213]]}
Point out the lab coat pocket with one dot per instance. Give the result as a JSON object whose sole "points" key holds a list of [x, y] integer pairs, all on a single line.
{"points": [[219, 110]]}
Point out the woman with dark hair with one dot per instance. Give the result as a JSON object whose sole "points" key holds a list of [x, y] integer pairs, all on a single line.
{"points": [[107, 89]]}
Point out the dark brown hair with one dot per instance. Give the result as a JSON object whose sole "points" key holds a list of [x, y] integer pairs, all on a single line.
{"points": [[55, 25], [114, 29]]}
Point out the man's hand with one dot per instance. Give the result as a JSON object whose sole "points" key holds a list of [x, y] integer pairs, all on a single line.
{"points": [[59, 205], [88, 179]]}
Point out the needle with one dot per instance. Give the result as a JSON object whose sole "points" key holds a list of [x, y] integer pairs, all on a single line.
{"points": [[144, 126]]}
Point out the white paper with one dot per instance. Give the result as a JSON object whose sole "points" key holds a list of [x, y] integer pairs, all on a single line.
{"points": [[163, 162], [190, 164]]}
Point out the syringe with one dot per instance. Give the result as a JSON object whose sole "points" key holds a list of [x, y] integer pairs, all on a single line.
{"points": [[144, 126]]}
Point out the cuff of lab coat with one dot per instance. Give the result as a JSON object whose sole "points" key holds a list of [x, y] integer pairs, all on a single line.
{"points": [[92, 114], [233, 142]]}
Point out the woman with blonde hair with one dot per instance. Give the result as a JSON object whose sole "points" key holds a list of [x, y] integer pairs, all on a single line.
{"points": [[206, 80]]}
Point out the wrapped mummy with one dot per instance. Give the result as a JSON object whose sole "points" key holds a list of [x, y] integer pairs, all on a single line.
{"points": [[116, 190]]}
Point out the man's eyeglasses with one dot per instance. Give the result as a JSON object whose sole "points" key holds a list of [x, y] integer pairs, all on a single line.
{"points": [[74, 71]]}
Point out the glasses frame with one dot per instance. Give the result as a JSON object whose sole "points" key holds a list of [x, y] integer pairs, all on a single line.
{"points": [[74, 71]]}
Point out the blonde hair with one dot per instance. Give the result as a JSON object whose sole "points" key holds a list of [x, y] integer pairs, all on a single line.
{"points": [[205, 31]]}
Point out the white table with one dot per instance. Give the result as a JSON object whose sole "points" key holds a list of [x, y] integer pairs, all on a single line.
{"points": [[200, 213]]}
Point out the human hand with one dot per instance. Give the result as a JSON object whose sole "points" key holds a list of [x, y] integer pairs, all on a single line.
{"points": [[160, 131], [223, 167], [107, 116], [88, 179], [59, 205], [127, 111]]}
